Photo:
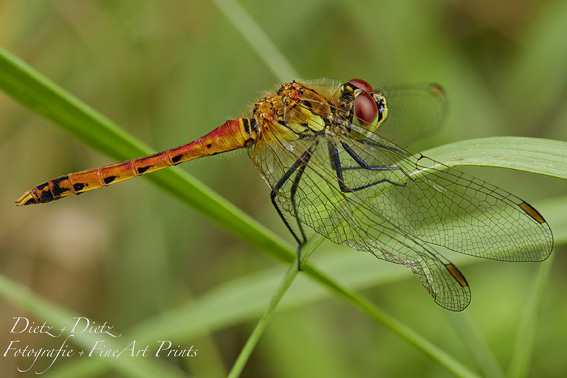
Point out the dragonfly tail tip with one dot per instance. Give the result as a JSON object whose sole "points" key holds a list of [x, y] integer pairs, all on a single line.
{"points": [[26, 199]]}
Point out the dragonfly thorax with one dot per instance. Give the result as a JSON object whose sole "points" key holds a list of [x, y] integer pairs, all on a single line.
{"points": [[298, 109], [294, 111]]}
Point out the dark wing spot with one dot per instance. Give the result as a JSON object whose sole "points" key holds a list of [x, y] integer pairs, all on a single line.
{"points": [[532, 212]]}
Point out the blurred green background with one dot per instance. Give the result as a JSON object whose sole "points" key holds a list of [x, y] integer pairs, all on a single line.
{"points": [[170, 71]]}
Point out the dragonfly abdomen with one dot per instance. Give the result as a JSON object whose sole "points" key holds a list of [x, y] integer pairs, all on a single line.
{"points": [[231, 135]]}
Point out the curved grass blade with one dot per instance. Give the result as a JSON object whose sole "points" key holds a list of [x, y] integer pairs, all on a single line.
{"points": [[519, 365], [535, 155], [258, 40], [270, 311]]}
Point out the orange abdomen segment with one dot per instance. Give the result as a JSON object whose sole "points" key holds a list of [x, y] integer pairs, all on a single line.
{"points": [[230, 136]]}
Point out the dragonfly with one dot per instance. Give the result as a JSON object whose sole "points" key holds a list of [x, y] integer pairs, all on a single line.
{"points": [[332, 156]]}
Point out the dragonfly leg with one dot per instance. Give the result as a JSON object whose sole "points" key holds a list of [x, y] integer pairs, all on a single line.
{"points": [[299, 166], [337, 166]]}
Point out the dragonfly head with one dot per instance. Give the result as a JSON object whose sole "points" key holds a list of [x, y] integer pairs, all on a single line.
{"points": [[363, 105]]}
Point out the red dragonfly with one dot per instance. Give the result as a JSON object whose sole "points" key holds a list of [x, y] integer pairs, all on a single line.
{"points": [[331, 155]]}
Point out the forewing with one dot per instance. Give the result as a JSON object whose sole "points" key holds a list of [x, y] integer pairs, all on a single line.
{"points": [[444, 206]]}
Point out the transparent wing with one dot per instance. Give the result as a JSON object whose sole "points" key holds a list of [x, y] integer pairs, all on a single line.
{"points": [[413, 110], [446, 207]]}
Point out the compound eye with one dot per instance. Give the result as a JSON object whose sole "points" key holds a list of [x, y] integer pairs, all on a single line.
{"points": [[365, 109], [361, 84]]}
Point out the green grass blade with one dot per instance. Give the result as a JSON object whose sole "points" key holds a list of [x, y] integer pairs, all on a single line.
{"points": [[473, 339], [541, 156], [258, 40], [289, 277], [397, 327], [519, 365], [541, 38]]}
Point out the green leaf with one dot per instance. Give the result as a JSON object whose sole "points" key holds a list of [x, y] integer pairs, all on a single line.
{"points": [[535, 155]]}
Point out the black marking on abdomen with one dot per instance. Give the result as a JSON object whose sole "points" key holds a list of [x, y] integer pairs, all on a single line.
{"points": [[141, 170], [109, 179], [46, 195], [78, 186], [176, 159], [57, 190], [246, 124]]}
